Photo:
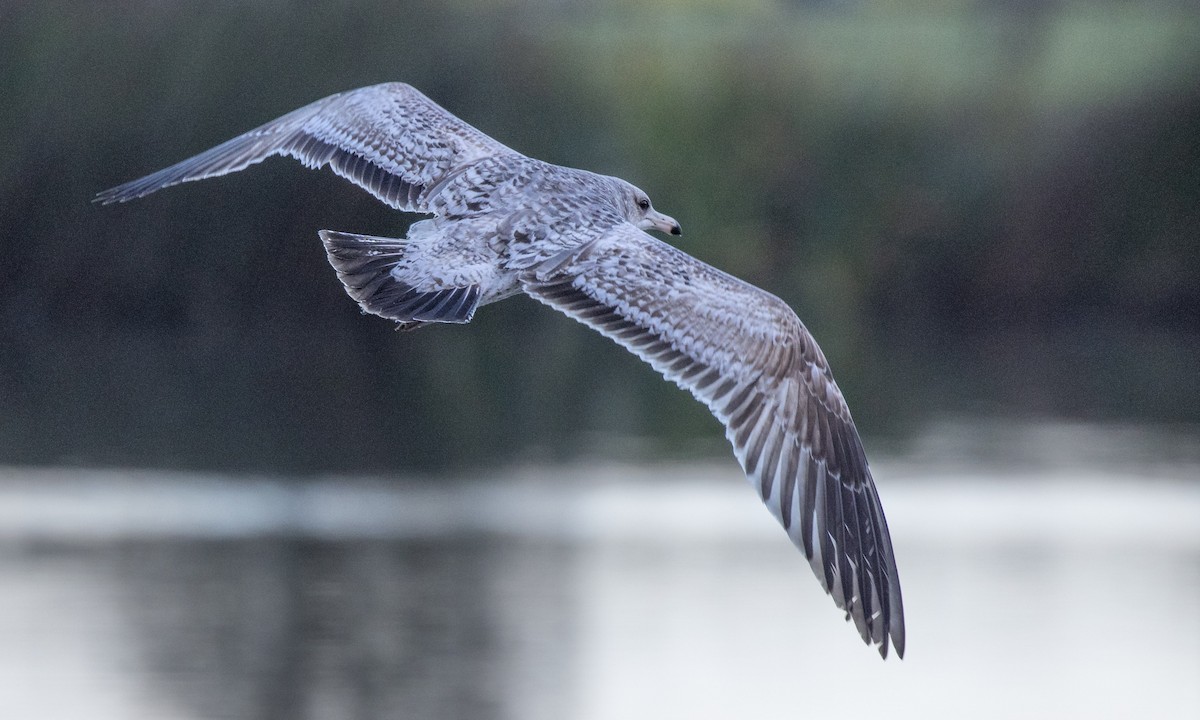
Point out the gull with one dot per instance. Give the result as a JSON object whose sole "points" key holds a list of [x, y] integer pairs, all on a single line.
{"points": [[505, 224]]}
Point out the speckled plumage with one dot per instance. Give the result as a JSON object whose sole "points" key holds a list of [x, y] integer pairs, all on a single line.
{"points": [[505, 223]]}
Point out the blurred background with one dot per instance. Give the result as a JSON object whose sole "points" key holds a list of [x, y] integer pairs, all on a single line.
{"points": [[225, 493]]}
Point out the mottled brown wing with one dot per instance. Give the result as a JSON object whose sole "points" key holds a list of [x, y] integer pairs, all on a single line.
{"points": [[745, 354], [389, 139]]}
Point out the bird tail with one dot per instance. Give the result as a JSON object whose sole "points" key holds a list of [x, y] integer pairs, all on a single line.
{"points": [[373, 270]]}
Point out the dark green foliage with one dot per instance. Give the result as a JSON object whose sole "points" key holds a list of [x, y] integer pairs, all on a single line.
{"points": [[972, 210]]}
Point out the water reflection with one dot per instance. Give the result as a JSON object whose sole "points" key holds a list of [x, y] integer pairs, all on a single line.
{"points": [[602, 593], [304, 628]]}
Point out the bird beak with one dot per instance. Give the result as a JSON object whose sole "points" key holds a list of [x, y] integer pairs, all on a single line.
{"points": [[655, 220]]}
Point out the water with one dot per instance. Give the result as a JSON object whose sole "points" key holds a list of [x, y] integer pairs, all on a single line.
{"points": [[1053, 583]]}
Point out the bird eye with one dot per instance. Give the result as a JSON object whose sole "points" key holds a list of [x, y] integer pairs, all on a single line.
{"points": [[644, 203]]}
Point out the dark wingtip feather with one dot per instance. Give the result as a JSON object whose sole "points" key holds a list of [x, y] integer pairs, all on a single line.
{"points": [[133, 189]]}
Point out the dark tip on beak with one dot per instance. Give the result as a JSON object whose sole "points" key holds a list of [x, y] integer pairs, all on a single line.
{"points": [[676, 230]]}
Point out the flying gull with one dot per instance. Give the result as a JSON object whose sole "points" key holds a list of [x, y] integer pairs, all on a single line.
{"points": [[504, 224]]}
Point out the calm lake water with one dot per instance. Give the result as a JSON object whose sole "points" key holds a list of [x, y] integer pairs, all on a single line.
{"points": [[1049, 572]]}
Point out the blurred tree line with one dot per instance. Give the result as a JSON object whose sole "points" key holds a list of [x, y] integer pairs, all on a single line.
{"points": [[976, 207]]}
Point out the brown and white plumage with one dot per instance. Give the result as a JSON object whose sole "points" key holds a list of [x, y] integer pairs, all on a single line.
{"points": [[505, 224]]}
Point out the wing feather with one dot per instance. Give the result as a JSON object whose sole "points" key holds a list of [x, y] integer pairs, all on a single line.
{"points": [[746, 355], [389, 139]]}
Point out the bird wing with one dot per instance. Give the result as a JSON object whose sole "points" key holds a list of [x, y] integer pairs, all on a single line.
{"points": [[389, 139], [744, 353]]}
